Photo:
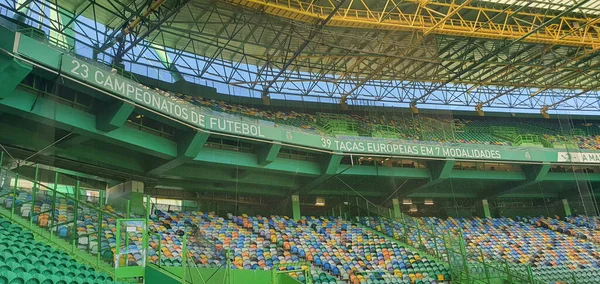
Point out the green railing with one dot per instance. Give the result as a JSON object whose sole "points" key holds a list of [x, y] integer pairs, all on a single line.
{"points": [[384, 131], [70, 217], [465, 264]]}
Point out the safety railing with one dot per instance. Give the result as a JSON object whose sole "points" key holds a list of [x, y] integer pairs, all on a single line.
{"points": [[467, 264], [65, 215]]}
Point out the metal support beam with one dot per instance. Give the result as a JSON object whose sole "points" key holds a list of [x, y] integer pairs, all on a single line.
{"points": [[267, 154], [113, 116], [329, 167], [188, 148], [534, 174], [155, 25], [499, 50], [12, 72], [439, 171], [322, 23]]}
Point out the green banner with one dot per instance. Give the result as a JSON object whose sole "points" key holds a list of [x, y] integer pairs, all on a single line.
{"points": [[210, 120]]}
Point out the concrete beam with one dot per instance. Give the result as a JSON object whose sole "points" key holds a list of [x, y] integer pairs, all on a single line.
{"points": [[188, 148], [329, 166], [439, 171], [12, 73], [113, 116], [534, 173], [267, 154]]}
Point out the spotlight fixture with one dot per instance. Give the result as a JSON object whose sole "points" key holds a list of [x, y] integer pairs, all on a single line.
{"points": [[320, 201]]}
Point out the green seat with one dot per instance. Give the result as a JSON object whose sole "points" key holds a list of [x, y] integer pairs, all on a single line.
{"points": [[44, 280], [6, 276], [69, 280], [58, 272], [56, 279], [16, 267], [29, 278]]}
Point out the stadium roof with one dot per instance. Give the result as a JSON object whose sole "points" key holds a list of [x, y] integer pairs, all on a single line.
{"points": [[466, 53]]}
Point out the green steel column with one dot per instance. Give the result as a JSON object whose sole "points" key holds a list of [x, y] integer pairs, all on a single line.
{"points": [[274, 275], [396, 207], [34, 194], [147, 222], [53, 204], [446, 249], [357, 208], [56, 37], [463, 252], [228, 269], [530, 274], [296, 207], [75, 216], [508, 273], [437, 254], [184, 259], [566, 206], [117, 256], [145, 246], [167, 62], [14, 201], [128, 209], [405, 226], [485, 269], [1, 158], [99, 230], [419, 235], [486, 208], [159, 249]]}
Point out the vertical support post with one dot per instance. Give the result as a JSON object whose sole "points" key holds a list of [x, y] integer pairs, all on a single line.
{"points": [[357, 207], [184, 259], [419, 235], [507, 268], [530, 274], [33, 194], [1, 158], [405, 226], [159, 249], [14, 197], [128, 209], [117, 256], [437, 253], [99, 230], [145, 245], [148, 222], [447, 251], [396, 207], [486, 208], [75, 217], [53, 215], [340, 209], [296, 207], [485, 268], [367, 206], [463, 253], [567, 208], [228, 269]]}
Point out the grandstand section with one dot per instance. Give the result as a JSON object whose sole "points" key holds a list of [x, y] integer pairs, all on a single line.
{"points": [[285, 142]]}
